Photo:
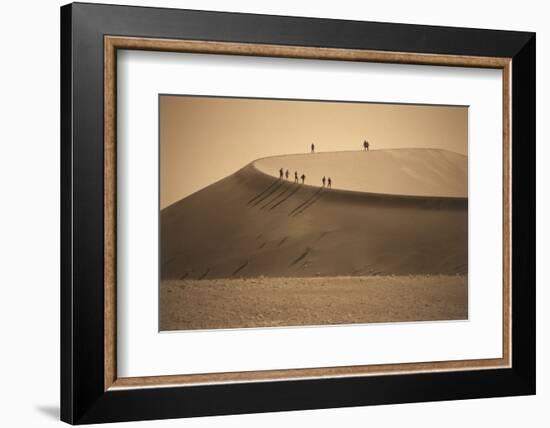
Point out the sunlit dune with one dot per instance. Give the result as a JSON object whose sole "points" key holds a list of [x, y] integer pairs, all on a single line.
{"points": [[411, 172], [251, 223]]}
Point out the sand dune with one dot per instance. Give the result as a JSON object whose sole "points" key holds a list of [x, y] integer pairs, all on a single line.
{"points": [[251, 223], [413, 172]]}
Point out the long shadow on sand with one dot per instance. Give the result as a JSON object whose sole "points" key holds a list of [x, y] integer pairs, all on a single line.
{"points": [[286, 198], [268, 194], [306, 202], [309, 203], [268, 188], [278, 195]]}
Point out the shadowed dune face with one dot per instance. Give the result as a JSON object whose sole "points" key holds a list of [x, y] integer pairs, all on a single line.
{"points": [[252, 224], [412, 172]]}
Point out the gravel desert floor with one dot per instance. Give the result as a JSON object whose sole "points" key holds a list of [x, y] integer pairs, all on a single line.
{"points": [[275, 302]]}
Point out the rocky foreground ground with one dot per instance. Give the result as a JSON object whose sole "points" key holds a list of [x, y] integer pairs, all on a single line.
{"points": [[190, 304]]}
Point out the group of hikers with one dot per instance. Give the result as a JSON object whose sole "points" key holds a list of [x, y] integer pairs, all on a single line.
{"points": [[285, 174], [327, 182]]}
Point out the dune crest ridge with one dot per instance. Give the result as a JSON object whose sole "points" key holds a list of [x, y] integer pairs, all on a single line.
{"points": [[406, 172]]}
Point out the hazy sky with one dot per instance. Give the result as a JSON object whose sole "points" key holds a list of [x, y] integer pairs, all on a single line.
{"points": [[203, 139]]}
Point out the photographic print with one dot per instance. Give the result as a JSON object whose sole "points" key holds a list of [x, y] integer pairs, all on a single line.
{"points": [[278, 212]]}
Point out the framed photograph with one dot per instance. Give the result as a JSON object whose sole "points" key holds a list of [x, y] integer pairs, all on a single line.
{"points": [[265, 213]]}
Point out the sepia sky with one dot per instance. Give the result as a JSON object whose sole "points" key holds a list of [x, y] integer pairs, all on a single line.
{"points": [[204, 139]]}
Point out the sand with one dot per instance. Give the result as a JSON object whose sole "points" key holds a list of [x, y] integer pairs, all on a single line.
{"points": [[272, 302], [252, 250], [251, 224], [410, 172]]}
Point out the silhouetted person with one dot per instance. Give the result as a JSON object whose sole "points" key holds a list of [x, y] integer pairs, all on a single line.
{"points": [[296, 176], [365, 145], [303, 178], [281, 173], [329, 183], [286, 174], [324, 181], [368, 146], [312, 148]]}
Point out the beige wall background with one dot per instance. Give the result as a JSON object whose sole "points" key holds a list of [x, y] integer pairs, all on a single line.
{"points": [[204, 139]]}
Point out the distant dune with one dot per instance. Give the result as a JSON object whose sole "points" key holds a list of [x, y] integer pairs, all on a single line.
{"points": [[391, 212], [413, 172]]}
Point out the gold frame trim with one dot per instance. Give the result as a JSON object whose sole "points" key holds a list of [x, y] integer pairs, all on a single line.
{"points": [[112, 43]]}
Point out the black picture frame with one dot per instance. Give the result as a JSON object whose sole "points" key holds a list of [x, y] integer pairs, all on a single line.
{"points": [[83, 396]]}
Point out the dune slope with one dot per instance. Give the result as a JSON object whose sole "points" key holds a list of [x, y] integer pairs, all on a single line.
{"points": [[251, 224]]}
